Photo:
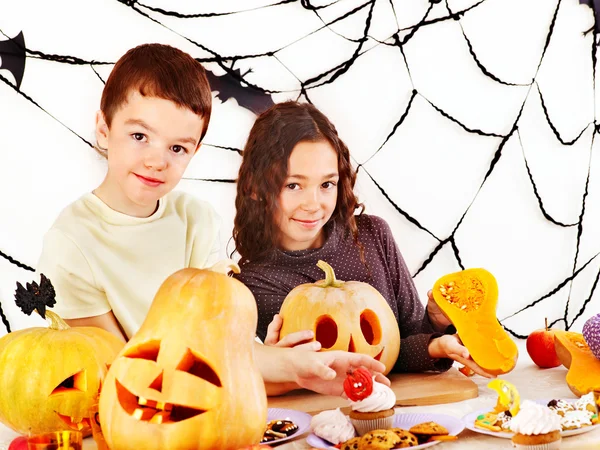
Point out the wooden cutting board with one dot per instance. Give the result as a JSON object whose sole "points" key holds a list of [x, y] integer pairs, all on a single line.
{"points": [[411, 389]]}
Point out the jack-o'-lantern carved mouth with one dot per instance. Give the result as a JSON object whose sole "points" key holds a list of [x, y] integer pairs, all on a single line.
{"points": [[82, 424], [152, 411], [74, 383]]}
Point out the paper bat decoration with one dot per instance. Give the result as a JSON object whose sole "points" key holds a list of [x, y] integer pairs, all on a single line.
{"points": [[229, 86], [12, 52], [596, 8]]}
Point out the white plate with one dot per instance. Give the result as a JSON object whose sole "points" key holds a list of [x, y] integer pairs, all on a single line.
{"points": [[405, 421], [469, 421]]}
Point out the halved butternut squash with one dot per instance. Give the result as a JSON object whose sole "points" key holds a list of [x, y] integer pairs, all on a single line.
{"points": [[584, 368], [469, 298]]}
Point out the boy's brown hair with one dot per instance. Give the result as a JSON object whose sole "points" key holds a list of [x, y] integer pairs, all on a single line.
{"points": [[162, 71]]}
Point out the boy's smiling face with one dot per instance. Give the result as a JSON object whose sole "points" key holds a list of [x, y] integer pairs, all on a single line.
{"points": [[150, 143]]}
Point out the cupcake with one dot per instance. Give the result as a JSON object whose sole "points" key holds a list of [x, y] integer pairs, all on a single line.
{"points": [[536, 427], [333, 426], [372, 403]]}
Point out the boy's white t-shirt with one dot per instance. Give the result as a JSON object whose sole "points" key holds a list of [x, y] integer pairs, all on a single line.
{"points": [[100, 260]]}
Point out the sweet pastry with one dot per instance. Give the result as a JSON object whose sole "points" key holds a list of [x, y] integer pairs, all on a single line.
{"points": [[587, 402], [536, 427], [503, 420], [573, 420], [279, 429], [428, 429], [352, 444], [488, 421], [333, 426], [379, 440], [407, 439], [371, 412], [560, 407]]}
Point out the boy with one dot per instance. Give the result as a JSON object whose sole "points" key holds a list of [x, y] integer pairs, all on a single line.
{"points": [[109, 251]]}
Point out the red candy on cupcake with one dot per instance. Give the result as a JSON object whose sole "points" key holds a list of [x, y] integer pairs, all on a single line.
{"points": [[372, 403], [358, 384]]}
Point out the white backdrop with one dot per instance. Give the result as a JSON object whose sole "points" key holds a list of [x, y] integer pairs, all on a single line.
{"points": [[431, 167]]}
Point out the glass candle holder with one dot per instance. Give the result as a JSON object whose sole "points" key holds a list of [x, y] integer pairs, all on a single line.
{"points": [[97, 429], [58, 440]]}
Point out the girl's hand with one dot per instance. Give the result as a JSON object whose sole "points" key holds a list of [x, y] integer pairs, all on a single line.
{"points": [[438, 319], [325, 372], [297, 340], [450, 346]]}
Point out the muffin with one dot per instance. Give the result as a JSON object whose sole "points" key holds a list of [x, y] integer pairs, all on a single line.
{"points": [[374, 412], [536, 427]]}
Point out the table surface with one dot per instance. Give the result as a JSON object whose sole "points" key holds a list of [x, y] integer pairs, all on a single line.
{"points": [[532, 383]]}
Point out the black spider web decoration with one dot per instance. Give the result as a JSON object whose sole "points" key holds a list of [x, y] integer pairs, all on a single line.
{"points": [[397, 40]]}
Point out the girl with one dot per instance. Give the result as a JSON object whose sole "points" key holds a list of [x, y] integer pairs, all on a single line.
{"points": [[108, 252], [295, 205]]}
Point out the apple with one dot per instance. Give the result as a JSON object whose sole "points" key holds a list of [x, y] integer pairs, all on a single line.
{"points": [[19, 443], [540, 346]]}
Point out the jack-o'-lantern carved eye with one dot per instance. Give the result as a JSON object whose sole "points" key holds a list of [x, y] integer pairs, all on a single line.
{"points": [[326, 331], [370, 327], [195, 365], [76, 382], [148, 351]]}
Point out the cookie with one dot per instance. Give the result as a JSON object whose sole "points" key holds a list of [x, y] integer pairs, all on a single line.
{"points": [[352, 444], [379, 440], [487, 421], [428, 429], [407, 439]]}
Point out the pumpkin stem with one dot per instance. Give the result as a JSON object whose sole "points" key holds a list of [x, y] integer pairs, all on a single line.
{"points": [[225, 267], [330, 280], [55, 321]]}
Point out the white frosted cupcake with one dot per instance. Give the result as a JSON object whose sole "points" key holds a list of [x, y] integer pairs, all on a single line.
{"points": [[374, 412], [536, 427], [333, 426]]}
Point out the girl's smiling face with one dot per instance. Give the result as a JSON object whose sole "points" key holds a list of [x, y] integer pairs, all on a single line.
{"points": [[309, 195]]}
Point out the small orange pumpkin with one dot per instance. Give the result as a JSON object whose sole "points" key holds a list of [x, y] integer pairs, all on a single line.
{"points": [[187, 379], [50, 377], [350, 315]]}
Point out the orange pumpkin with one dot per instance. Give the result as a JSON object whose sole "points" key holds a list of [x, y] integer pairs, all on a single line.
{"points": [[469, 299], [187, 379], [351, 316], [50, 377]]}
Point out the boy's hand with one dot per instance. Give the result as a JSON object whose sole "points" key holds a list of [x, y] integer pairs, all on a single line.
{"points": [[297, 340], [438, 319], [325, 372], [450, 346]]}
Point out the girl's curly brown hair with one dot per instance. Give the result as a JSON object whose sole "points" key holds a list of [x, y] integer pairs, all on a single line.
{"points": [[264, 169]]}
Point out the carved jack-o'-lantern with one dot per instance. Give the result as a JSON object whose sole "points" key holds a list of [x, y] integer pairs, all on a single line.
{"points": [[50, 377], [351, 316], [187, 379]]}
